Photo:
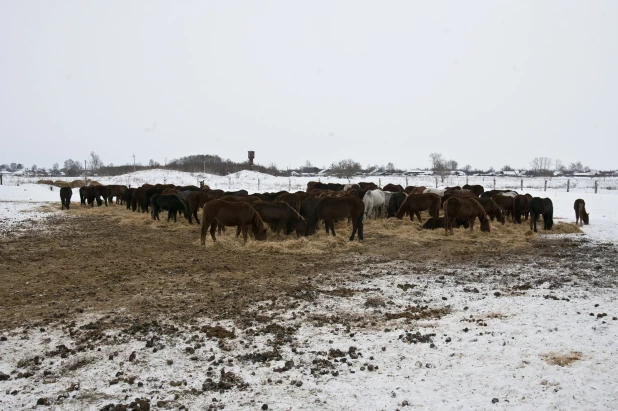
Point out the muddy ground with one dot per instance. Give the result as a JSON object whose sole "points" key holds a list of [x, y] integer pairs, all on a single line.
{"points": [[127, 271]]}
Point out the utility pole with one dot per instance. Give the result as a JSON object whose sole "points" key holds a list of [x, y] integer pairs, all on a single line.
{"points": [[134, 163]]}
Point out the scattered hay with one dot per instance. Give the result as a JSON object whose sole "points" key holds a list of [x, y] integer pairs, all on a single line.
{"points": [[564, 228], [562, 360], [47, 182]]}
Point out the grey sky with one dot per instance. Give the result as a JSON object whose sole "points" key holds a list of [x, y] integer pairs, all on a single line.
{"points": [[486, 83]]}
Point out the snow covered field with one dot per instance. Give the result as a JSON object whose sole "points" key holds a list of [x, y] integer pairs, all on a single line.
{"points": [[536, 330]]}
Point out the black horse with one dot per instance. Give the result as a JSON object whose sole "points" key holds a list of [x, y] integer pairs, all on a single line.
{"points": [[541, 206], [395, 202], [170, 202], [65, 196]]}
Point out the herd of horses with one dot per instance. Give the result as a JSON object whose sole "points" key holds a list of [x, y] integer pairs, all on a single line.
{"points": [[301, 212]]}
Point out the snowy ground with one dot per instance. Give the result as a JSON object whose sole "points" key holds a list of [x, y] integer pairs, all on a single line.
{"points": [[536, 330]]}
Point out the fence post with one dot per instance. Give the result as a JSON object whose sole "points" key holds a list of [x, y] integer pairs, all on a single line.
{"points": [[522, 184], [406, 181], [379, 183], [436, 182], [494, 183], [289, 184], [596, 186], [0, 179], [466, 180], [568, 185], [258, 184], [545, 187]]}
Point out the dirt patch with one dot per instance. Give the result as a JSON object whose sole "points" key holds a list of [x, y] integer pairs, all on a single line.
{"points": [[562, 360], [109, 259]]}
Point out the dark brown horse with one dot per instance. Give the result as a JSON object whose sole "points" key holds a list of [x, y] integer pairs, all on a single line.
{"points": [[227, 213], [469, 208], [395, 188], [415, 203], [334, 208], [520, 207], [476, 189], [65, 197], [279, 215], [581, 216], [492, 209]]}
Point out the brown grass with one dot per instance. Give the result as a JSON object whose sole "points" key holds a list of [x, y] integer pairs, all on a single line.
{"points": [[561, 360]]}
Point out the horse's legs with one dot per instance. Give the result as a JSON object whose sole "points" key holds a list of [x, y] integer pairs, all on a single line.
{"points": [[213, 228], [238, 230], [418, 215], [471, 222], [245, 228]]}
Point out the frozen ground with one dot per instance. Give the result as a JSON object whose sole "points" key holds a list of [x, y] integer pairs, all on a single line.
{"points": [[507, 331]]}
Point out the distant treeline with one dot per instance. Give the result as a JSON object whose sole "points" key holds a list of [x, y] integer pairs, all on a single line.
{"points": [[211, 164]]}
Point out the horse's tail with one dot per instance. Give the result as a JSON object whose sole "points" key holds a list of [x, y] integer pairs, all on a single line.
{"points": [[446, 217], [401, 210], [359, 223], [516, 209], [185, 208], [436, 207], [313, 218]]}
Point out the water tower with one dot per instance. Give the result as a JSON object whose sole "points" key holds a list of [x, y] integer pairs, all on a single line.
{"points": [[251, 157]]}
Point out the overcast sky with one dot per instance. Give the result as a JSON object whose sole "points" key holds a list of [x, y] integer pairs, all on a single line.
{"points": [[486, 83]]}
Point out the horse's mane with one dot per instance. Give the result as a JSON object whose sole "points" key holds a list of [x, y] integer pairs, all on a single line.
{"points": [[256, 220], [479, 207]]}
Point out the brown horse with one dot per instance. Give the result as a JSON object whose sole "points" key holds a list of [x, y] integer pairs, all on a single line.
{"points": [[581, 216], [415, 203], [197, 199], [228, 213], [492, 209], [333, 208], [65, 197], [505, 203], [279, 215], [469, 208], [520, 207]]}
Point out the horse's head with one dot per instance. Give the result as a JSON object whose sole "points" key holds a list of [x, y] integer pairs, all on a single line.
{"points": [[500, 216], [485, 225], [586, 217]]}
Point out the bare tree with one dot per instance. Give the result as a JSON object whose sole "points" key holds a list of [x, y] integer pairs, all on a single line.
{"points": [[452, 165], [346, 168], [390, 167], [439, 166], [541, 164], [467, 168], [95, 161]]}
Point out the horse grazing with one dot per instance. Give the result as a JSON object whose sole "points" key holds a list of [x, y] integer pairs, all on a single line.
{"points": [[395, 202], [492, 209], [541, 206], [333, 208], [477, 189], [374, 201], [228, 213], [520, 207], [170, 202], [65, 197], [415, 203], [581, 216], [280, 215], [505, 203], [469, 208], [434, 223], [197, 199], [395, 188]]}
